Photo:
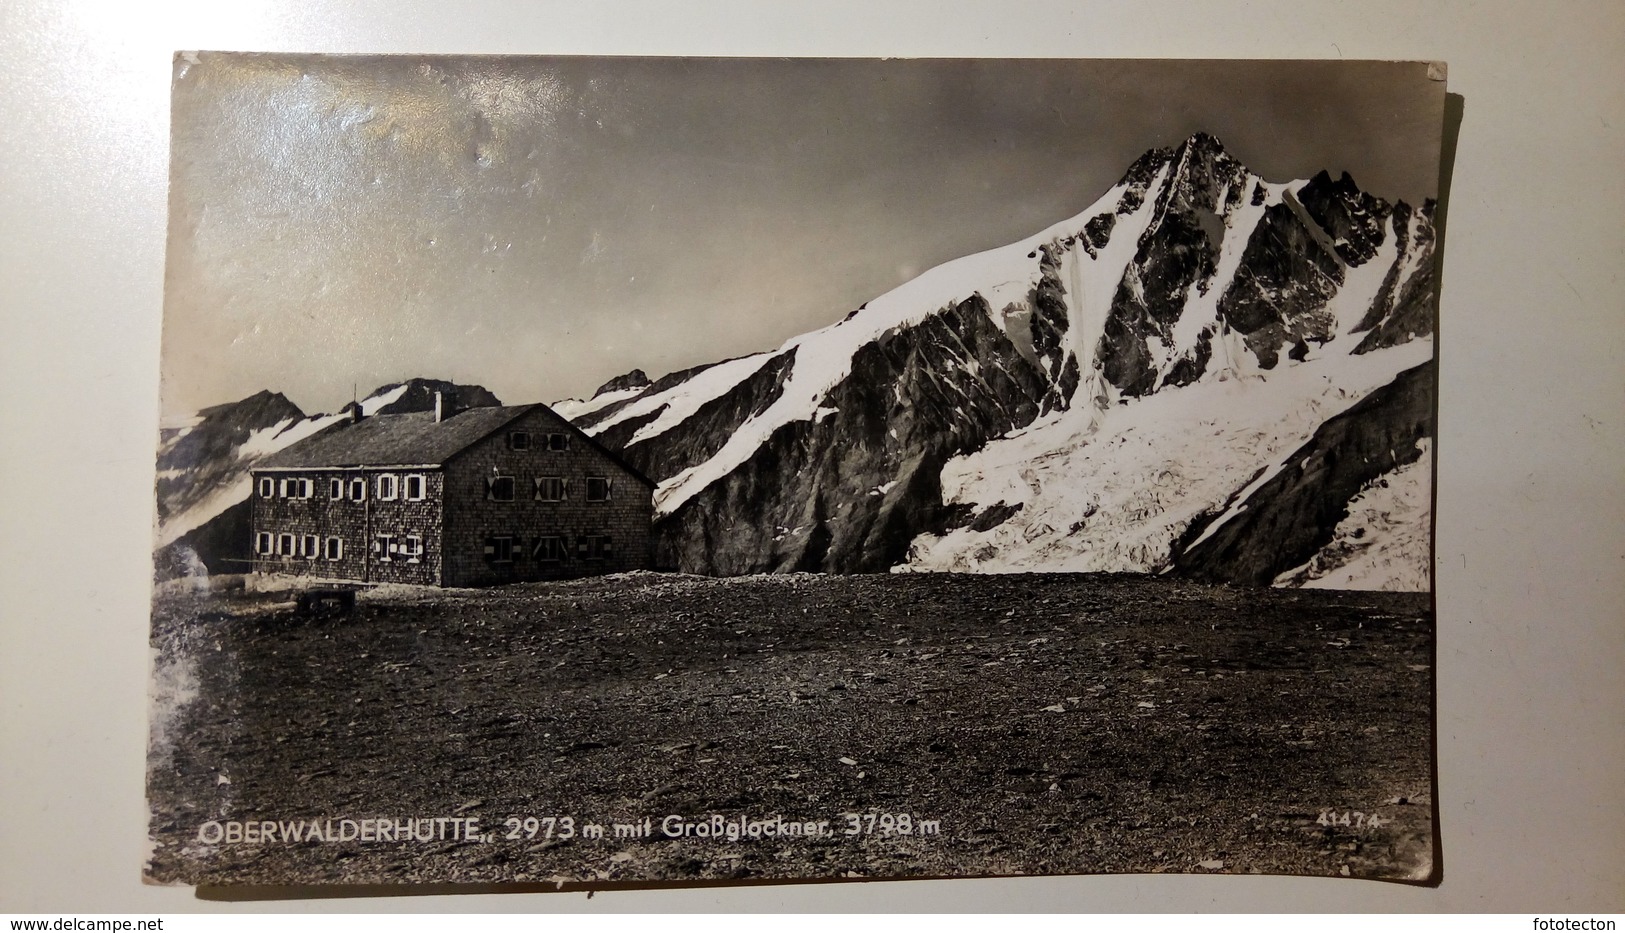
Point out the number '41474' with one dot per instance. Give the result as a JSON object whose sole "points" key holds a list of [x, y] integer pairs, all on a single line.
{"points": [[1351, 818]]}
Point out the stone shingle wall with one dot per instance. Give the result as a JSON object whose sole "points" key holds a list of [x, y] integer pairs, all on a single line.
{"points": [[357, 523], [474, 518]]}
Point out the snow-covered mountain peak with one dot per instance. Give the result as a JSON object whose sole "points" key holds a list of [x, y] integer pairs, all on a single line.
{"points": [[1191, 273]]}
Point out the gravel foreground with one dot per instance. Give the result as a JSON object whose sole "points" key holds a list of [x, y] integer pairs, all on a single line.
{"points": [[1046, 723]]}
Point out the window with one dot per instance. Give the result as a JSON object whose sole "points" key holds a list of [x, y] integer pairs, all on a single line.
{"points": [[265, 542], [499, 488], [358, 489], [335, 488], [594, 547], [412, 548], [558, 442], [297, 488], [383, 548], [335, 549], [267, 487], [310, 546], [597, 489], [550, 549], [284, 545], [388, 486], [499, 549], [415, 485], [550, 488], [518, 440]]}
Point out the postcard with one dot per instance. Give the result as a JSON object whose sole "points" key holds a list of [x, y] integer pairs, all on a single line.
{"points": [[599, 471]]}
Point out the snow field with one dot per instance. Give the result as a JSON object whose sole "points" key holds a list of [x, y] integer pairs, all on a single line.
{"points": [[1115, 498]]}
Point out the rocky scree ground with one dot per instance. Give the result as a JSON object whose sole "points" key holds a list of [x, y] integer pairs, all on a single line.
{"points": [[1051, 723]]}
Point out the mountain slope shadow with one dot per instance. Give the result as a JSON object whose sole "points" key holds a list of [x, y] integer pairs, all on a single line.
{"points": [[1289, 518]]}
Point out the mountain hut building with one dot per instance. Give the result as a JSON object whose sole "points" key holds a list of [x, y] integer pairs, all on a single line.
{"points": [[471, 498]]}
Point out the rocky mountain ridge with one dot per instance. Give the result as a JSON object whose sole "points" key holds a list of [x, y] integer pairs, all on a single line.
{"points": [[1191, 277]]}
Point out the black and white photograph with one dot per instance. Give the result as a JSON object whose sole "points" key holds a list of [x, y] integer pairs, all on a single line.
{"points": [[595, 472]]}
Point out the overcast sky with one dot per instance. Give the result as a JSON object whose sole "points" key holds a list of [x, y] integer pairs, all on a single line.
{"points": [[539, 225]]}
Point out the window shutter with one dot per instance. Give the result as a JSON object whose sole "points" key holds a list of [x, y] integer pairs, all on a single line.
{"points": [[490, 547]]}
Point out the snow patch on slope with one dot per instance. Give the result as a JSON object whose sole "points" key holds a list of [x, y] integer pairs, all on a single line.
{"points": [[1202, 304], [371, 404], [1414, 257], [572, 408], [222, 498], [267, 441], [1091, 284], [685, 398], [1360, 286]]}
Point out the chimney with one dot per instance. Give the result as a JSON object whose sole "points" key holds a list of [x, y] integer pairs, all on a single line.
{"points": [[439, 406], [355, 413]]}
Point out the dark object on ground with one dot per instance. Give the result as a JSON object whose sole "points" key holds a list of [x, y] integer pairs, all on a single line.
{"points": [[337, 599]]}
